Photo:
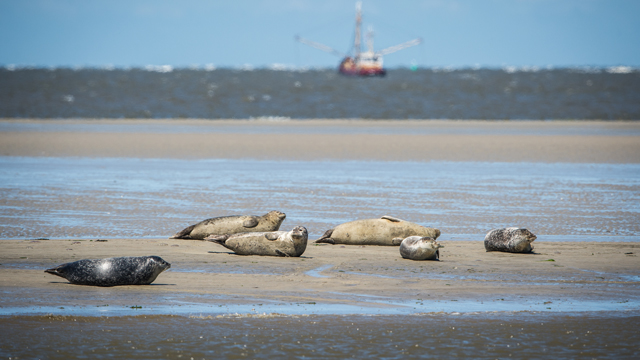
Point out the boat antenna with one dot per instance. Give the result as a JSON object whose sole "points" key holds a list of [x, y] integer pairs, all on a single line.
{"points": [[356, 41]]}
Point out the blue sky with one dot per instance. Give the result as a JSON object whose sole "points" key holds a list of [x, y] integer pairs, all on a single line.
{"points": [[458, 33]]}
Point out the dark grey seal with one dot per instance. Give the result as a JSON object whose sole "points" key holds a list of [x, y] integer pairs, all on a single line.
{"points": [[134, 270], [512, 239], [233, 224], [420, 248], [386, 231], [273, 243]]}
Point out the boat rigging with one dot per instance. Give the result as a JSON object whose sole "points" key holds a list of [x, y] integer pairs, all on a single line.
{"points": [[367, 63]]}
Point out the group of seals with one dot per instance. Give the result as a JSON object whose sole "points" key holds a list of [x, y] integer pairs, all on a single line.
{"points": [[259, 235], [140, 270], [250, 234], [229, 231]]}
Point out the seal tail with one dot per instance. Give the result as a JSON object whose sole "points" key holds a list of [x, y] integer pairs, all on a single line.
{"points": [[218, 239], [184, 234], [326, 238]]}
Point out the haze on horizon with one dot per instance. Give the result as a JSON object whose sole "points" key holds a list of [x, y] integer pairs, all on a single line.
{"points": [[260, 33]]}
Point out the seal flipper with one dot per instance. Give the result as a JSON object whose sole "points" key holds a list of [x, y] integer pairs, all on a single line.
{"points": [[184, 234], [271, 236], [218, 239], [326, 238], [396, 241], [390, 218], [281, 254], [251, 222]]}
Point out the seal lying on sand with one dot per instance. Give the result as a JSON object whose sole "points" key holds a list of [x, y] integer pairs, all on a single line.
{"points": [[233, 224], [387, 231], [513, 239], [274, 243], [140, 270], [420, 248]]}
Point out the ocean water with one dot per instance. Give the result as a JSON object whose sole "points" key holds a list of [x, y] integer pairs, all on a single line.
{"points": [[164, 92], [150, 198]]}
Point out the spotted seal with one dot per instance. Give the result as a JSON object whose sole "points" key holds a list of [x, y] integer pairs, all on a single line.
{"points": [[512, 239], [272, 243], [233, 224], [387, 231], [420, 248], [131, 270]]}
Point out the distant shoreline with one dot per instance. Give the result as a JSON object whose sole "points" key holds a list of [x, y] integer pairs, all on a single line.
{"points": [[386, 140], [613, 69]]}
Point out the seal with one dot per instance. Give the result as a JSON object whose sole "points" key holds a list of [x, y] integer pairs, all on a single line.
{"points": [[271, 243], [131, 270], [512, 239], [420, 248], [226, 225], [386, 231]]}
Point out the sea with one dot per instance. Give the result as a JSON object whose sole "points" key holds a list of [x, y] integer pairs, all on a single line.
{"points": [[514, 93], [135, 198]]}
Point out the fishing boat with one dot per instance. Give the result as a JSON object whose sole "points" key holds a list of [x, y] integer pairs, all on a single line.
{"points": [[361, 63]]}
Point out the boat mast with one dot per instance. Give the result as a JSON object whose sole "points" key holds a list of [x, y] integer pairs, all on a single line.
{"points": [[356, 42]]}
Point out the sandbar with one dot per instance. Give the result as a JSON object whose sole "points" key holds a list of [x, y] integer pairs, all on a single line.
{"points": [[393, 140]]}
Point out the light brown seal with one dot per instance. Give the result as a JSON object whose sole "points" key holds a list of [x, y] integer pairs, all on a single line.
{"points": [[386, 231], [273, 243], [420, 248], [513, 239], [233, 224]]}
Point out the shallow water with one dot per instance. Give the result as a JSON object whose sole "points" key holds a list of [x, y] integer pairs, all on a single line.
{"points": [[139, 198], [211, 305], [287, 126], [479, 336]]}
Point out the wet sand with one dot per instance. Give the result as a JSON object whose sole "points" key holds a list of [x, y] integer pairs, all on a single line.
{"points": [[206, 278], [510, 141], [204, 273]]}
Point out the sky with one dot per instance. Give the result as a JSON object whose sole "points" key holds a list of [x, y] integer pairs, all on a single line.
{"points": [[260, 33]]}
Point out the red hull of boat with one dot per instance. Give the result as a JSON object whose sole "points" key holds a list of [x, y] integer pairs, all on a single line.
{"points": [[362, 72]]}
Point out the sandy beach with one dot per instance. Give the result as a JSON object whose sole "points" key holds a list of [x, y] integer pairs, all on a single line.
{"points": [[149, 180], [325, 274], [396, 140], [205, 275]]}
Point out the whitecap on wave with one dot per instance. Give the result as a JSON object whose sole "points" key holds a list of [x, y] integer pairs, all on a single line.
{"points": [[620, 69], [159, 68], [270, 118]]}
